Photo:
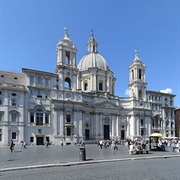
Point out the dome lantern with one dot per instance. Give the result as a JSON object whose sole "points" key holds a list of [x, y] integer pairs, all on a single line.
{"points": [[92, 44]]}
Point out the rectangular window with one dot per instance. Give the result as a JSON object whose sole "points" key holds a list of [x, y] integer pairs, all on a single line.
{"points": [[13, 102], [47, 118], [13, 135], [31, 92], [46, 81], [31, 79], [140, 75], [13, 117], [40, 131], [31, 139], [39, 93], [46, 94], [100, 85], [172, 133], [171, 102], [1, 102], [39, 119], [0, 134], [1, 116], [31, 117], [142, 122], [68, 118], [39, 80]]}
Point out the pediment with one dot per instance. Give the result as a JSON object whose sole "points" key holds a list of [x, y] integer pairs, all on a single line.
{"points": [[107, 104]]}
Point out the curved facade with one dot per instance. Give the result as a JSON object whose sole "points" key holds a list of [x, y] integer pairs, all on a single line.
{"points": [[79, 103]]}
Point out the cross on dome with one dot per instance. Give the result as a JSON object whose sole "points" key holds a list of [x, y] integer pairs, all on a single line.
{"points": [[66, 34], [136, 55]]}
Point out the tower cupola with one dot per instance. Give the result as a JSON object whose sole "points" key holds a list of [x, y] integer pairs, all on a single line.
{"points": [[92, 44], [137, 81]]}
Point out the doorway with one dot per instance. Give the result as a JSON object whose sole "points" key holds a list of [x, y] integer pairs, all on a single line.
{"points": [[40, 141], [87, 134], [122, 135], [106, 132]]}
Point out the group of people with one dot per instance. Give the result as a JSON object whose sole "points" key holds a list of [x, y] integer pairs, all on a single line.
{"points": [[172, 143], [108, 143], [138, 147], [12, 145], [23, 145]]}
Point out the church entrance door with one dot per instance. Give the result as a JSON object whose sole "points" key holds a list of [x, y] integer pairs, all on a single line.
{"points": [[87, 134], [40, 140], [106, 132]]}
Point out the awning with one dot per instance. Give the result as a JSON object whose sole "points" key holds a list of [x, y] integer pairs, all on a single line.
{"points": [[156, 135]]}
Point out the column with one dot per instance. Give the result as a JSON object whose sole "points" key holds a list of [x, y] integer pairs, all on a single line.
{"points": [[75, 124], [107, 84], [80, 117], [101, 126], [55, 123], [117, 126], [74, 86], [97, 126], [148, 125], [113, 126], [137, 125], [29, 117], [127, 126], [132, 126], [61, 80], [44, 118], [61, 119]]}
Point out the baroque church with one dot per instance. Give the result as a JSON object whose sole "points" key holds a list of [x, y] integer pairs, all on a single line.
{"points": [[78, 102]]}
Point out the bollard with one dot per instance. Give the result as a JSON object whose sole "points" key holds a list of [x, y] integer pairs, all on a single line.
{"points": [[82, 153]]}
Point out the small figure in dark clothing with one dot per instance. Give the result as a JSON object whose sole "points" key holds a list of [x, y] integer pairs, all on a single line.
{"points": [[12, 145]]}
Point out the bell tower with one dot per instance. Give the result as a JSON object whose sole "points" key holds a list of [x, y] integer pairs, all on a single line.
{"points": [[66, 63], [137, 81]]}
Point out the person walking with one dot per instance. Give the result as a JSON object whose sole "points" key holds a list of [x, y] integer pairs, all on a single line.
{"points": [[61, 144], [22, 145], [12, 146]]}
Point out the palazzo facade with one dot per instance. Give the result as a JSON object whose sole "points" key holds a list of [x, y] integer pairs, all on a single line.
{"points": [[78, 102]]}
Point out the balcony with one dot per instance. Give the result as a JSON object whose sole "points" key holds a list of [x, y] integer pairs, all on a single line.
{"points": [[142, 127], [69, 124]]}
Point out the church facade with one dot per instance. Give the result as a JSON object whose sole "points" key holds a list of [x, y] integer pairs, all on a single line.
{"points": [[78, 102]]}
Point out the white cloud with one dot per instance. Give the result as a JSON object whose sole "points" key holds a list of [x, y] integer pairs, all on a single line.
{"points": [[167, 91], [127, 92]]}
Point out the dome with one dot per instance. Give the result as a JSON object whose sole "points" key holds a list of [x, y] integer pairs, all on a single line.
{"points": [[93, 59]]}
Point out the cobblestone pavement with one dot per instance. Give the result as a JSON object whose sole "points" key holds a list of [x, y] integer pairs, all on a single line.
{"points": [[40, 155]]}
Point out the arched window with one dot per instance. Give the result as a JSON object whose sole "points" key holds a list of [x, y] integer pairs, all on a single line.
{"points": [[67, 83], [100, 85], [39, 117], [140, 74], [85, 86], [140, 94], [132, 73], [14, 116], [67, 58]]}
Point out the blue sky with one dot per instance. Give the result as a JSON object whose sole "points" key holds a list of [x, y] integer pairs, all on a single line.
{"points": [[30, 30]]}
